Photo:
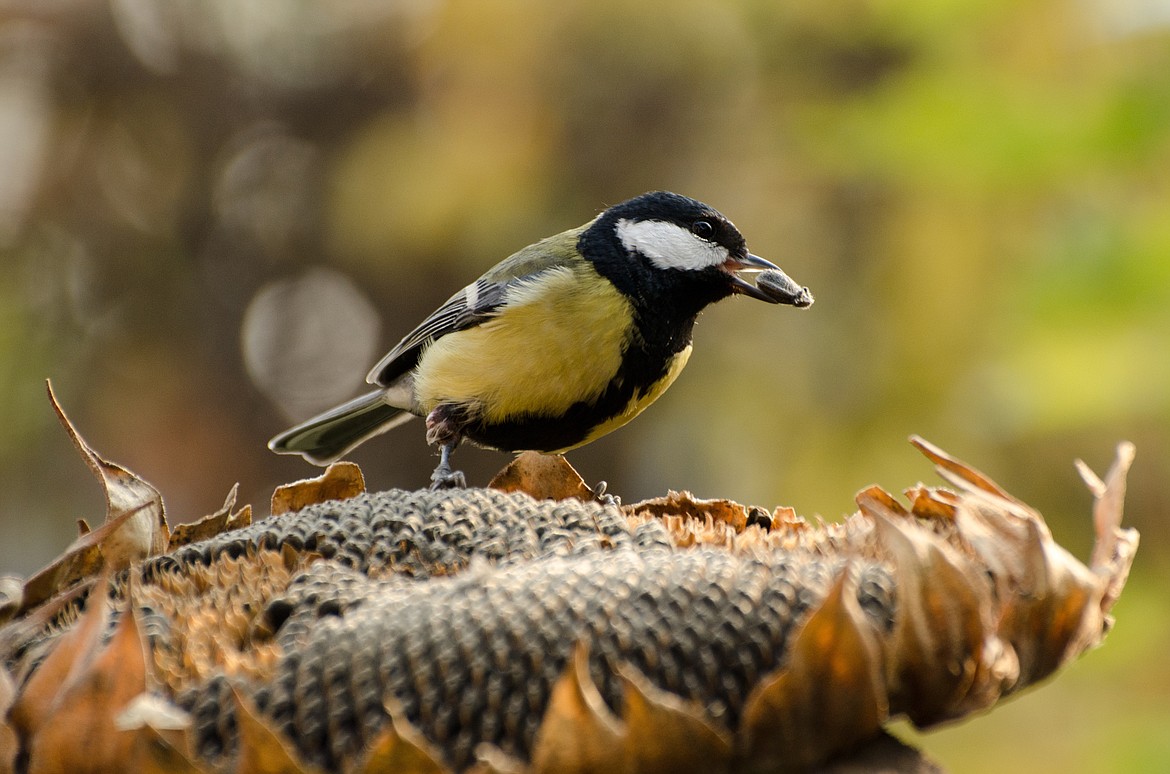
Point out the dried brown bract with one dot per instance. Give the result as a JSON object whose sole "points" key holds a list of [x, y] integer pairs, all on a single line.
{"points": [[485, 630]]}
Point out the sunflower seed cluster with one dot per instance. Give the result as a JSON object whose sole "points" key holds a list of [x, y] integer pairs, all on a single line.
{"points": [[471, 655]]}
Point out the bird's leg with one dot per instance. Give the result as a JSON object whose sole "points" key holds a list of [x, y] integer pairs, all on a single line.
{"points": [[444, 477], [444, 429]]}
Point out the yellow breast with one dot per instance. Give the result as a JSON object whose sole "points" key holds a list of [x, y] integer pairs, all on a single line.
{"points": [[557, 342]]}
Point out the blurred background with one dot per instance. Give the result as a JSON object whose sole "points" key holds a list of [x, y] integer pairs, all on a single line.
{"points": [[216, 215]]}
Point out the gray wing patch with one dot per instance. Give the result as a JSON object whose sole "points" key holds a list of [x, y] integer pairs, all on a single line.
{"points": [[467, 308], [477, 302]]}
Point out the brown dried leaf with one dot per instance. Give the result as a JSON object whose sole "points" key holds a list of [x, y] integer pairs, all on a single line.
{"points": [[9, 743], [400, 748], [135, 526], [208, 526], [1008, 541], [944, 660], [1051, 607], [1109, 497], [160, 733], [1050, 603], [157, 752], [340, 481], [931, 502], [81, 734], [11, 596], [829, 695], [82, 559], [146, 533], [543, 476], [239, 519], [261, 749], [1052, 630], [7, 692], [151, 709], [954, 470], [685, 504], [23, 634], [784, 517], [72, 653], [578, 733], [490, 759], [876, 497], [664, 733]]}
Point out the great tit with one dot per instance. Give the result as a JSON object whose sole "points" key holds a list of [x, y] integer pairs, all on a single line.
{"points": [[559, 344]]}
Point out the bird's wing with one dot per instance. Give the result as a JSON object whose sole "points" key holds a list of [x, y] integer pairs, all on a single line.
{"points": [[476, 303]]}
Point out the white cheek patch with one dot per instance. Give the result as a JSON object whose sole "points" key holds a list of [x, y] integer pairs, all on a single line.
{"points": [[670, 246]]}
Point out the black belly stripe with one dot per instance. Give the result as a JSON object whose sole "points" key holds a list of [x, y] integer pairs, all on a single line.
{"points": [[640, 371]]}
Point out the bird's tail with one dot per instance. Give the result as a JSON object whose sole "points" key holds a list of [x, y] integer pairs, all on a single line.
{"points": [[328, 436]]}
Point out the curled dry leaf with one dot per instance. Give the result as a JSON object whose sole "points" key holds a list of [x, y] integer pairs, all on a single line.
{"points": [[399, 748], [149, 709], [945, 660], [80, 732], [11, 596], [157, 731], [664, 733], [687, 505], [262, 750], [493, 760], [135, 526], [210, 526], [82, 559], [658, 731], [954, 470], [578, 733], [9, 745], [157, 753], [1113, 547], [874, 498], [71, 654], [1053, 607], [340, 481], [829, 695], [143, 535], [543, 476], [931, 503], [933, 610]]}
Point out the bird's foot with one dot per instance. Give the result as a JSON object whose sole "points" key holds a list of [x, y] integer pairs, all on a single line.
{"points": [[445, 478], [600, 496]]}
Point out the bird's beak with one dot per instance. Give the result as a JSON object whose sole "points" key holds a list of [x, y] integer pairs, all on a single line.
{"points": [[773, 286]]}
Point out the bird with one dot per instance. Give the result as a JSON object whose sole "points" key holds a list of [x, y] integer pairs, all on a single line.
{"points": [[560, 343]]}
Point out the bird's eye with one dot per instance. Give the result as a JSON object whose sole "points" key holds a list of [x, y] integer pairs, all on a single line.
{"points": [[703, 229]]}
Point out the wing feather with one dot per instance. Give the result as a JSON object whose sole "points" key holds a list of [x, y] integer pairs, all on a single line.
{"points": [[476, 303]]}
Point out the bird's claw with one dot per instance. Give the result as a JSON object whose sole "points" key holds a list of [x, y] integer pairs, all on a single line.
{"points": [[600, 496], [445, 478]]}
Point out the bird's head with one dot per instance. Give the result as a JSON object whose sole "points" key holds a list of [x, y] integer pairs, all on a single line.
{"points": [[667, 240]]}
